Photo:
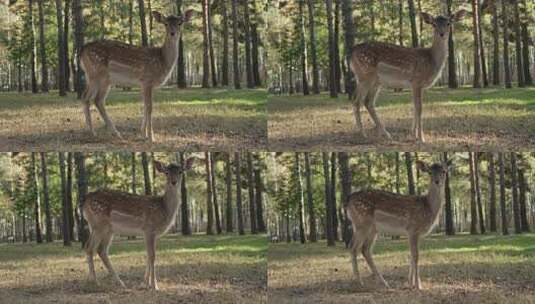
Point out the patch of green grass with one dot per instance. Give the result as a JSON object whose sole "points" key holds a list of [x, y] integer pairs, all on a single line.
{"points": [[200, 269], [489, 119], [190, 119], [459, 269]]}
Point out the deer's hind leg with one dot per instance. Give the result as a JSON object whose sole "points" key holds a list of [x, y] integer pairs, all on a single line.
{"points": [[90, 248], [89, 93], [369, 102], [357, 101], [100, 102], [103, 253], [367, 249], [361, 231]]}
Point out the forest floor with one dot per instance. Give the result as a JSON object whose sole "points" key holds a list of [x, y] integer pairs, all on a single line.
{"points": [[460, 269], [191, 119], [198, 269], [467, 118]]}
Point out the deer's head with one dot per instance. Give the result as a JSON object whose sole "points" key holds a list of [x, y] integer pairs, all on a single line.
{"points": [[173, 172], [437, 171], [173, 24], [441, 24]]}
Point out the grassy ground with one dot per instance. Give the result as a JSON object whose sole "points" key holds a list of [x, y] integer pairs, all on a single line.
{"points": [[200, 269], [461, 269], [484, 119], [192, 119]]}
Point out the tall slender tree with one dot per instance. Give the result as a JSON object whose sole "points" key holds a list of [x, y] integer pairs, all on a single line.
{"points": [[303, 48], [78, 44], [37, 198], [143, 22], [412, 17], [518, 45], [209, 194], [181, 61], [213, 175], [332, 59], [225, 58], [81, 172], [473, 203], [205, 44], [492, 192], [329, 227], [514, 191], [42, 48], [313, 47], [247, 38], [506, 66], [33, 56], [301, 200], [477, 46], [349, 41], [259, 189], [310, 200], [452, 66], [228, 182], [410, 174], [184, 208], [235, 46], [237, 161], [448, 208], [64, 201], [503, 208], [250, 188], [496, 44], [478, 195], [61, 49]]}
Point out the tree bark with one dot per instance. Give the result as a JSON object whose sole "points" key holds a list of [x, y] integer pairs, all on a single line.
{"points": [[349, 41], [79, 159], [247, 37], [303, 48], [225, 59], [506, 66], [518, 47], [482, 48], [345, 178], [66, 19], [528, 80], [61, 50], [143, 23], [235, 47], [184, 208], [514, 191], [310, 200], [69, 194], [301, 201], [181, 62], [337, 70], [503, 209], [492, 192], [414, 31], [250, 187], [228, 181], [146, 173], [214, 194], [329, 227], [205, 45], [452, 66], [332, 59], [46, 198], [313, 47], [64, 201], [211, 48], [42, 49], [36, 195], [496, 44], [237, 160], [522, 187], [32, 45], [78, 44], [450, 228], [477, 46], [261, 226], [473, 203], [209, 195], [478, 195], [333, 195], [410, 175]]}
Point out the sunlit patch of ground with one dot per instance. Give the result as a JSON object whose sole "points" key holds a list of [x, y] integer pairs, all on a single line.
{"points": [[485, 119], [192, 119], [199, 269], [461, 269]]}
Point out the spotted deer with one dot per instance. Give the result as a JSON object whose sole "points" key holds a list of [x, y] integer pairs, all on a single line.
{"points": [[108, 62], [375, 211], [379, 65], [112, 212]]}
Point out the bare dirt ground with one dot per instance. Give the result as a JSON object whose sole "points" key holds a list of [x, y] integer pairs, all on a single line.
{"points": [[191, 120], [484, 120], [199, 269], [461, 269]]}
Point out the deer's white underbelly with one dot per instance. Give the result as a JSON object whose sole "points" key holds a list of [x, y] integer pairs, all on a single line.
{"points": [[387, 223], [392, 76], [126, 224], [123, 74]]}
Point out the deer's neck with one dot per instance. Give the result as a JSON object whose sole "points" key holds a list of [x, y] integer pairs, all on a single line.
{"points": [[171, 200], [170, 52], [439, 51], [435, 197]]}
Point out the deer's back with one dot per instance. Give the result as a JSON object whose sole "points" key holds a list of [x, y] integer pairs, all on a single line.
{"points": [[399, 205], [104, 202]]}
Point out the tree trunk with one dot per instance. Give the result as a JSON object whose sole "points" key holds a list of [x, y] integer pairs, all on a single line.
{"points": [[78, 44], [32, 45], [496, 45], [228, 181], [237, 160], [247, 37], [211, 48], [414, 31], [492, 193], [61, 49], [478, 195], [42, 49], [337, 70], [79, 159], [514, 190], [66, 19], [250, 187], [181, 62], [143, 23], [146, 173], [205, 45], [482, 48], [313, 47], [329, 227], [528, 80], [303, 48], [214, 194], [506, 66], [209, 195], [310, 200], [255, 44], [452, 66], [69, 195], [261, 226], [522, 186], [333, 195], [332, 59], [477, 46], [235, 47], [184, 209], [349, 41], [503, 209], [473, 204], [64, 201], [46, 198], [37, 197], [225, 60], [410, 175], [345, 178], [518, 47], [301, 201], [448, 209]]}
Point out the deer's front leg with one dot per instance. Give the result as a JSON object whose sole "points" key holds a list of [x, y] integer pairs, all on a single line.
{"points": [[146, 125], [150, 240], [414, 274], [417, 122]]}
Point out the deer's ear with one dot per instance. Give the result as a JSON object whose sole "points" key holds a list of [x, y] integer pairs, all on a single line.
{"points": [[458, 16], [422, 166], [188, 164], [187, 15], [158, 17], [427, 18], [160, 167]]}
